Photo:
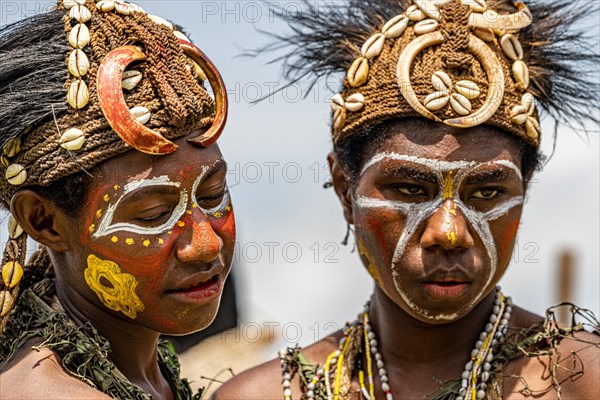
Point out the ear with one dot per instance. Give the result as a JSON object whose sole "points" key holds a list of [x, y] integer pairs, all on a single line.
{"points": [[41, 219], [342, 186]]}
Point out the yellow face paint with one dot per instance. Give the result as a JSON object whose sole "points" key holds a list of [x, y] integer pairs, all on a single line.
{"points": [[120, 295], [448, 186], [130, 241], [114, 239], [371, 268], [98, 213], [146, 243]]}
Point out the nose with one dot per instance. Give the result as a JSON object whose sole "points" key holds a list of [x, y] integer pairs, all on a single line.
{"points": [[447, 228], [199, 244]]}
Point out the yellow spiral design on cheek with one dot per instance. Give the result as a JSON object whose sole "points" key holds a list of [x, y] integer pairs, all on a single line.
{"points": [[120, 295]]}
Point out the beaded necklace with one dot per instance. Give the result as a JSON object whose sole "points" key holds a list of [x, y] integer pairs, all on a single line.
{"points": [[475, 377]]}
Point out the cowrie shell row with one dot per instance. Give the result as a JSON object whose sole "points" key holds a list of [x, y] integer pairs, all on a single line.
{"points": [[519, 114], [79, 37], [339, 119], [358, 72], [528, 101], [355, 102], [337, 101], [12, 147], [141, 114], [78, 63], [468, 89], [105, 5], [532, 127], [426, 26], [68, 4], [14, 229], [511, 47], [395, 27], [373, 46], [12, 272], [161, 21], [460, 104], [80, 14], [6, 302], [441, 81], [72, 139], [78, 94], [437, 100], [131, 79], [521, 73], [414, 13], [16, 174]]}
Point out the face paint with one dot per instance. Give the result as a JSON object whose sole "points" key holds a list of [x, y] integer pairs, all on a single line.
{"points": [[115, 290], [416, 213]]}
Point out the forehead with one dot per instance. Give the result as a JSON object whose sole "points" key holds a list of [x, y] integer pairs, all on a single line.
{"points": [[134, 165], [436, 141]]}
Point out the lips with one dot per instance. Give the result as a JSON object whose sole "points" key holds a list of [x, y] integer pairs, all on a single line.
{"points": [[200, 287], [448, 285]]}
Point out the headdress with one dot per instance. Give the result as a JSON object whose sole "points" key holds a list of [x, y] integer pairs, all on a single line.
{"points": [[459, 62], [108, 78]]}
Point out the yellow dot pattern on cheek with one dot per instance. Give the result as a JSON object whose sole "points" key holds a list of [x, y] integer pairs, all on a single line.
{"points": [[160, 241], [116, 187], [106, 198], [130, 241], [180, 224], [188, 212], [98, 213], [218, 214], [92, 228], [120, 296], [114, 239], [146, 243]]}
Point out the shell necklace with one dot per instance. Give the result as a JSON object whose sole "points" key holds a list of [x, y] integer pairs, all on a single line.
{"points": [[474, 378]]}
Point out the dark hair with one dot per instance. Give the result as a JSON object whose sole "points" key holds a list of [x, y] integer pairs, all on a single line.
{"points": [[69, 193], [352, 151]]}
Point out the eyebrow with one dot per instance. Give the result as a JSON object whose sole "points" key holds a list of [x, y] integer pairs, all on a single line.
{"points": [[493, 175], [417, 174]]}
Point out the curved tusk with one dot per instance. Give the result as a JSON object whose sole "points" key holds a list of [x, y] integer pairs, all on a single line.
{"points": [[492, 20], [116, 112], [403, 70], [493, 69], [218, 86]]}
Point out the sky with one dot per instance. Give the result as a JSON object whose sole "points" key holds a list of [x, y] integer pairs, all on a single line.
{"points": [[293, 274]]}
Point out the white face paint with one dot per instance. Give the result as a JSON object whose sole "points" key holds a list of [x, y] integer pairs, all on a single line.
{"points": [[106, 225], [416, 213]]}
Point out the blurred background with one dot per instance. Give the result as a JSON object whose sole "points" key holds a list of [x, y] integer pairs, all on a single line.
{"points": [[294, 281]]}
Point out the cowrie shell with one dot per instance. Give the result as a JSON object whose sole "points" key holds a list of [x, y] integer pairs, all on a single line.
{"points": [[198, 70], [79, 37], [161, 21], [68, 4], [426, 26], [127, 8], [441, 81], [395, 27], [437, 100], [337, 101], [460, 104], [358, 72], [511, 47], [476, 5], [355, 102], [429, 8], [131, 79], [78, 94], [339, 119], [6, 302], [519, 114], [532, 127], [105, 5], [12, 147], [80, 14], [141, 114], [484, 34], [72, 139], [468, 89], [12, 249], [521, 73], [373, 46], [14, 229], [16, 174], [414, 13], [12, 272], [4, 161], [78, 63], [528, 101]]}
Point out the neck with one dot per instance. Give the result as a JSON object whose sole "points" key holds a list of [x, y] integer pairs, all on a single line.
{"points": [[404, 339], [133, 348]]}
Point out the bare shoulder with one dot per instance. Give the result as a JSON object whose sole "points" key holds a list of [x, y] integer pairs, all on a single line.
{"points": [[570, 366], [264, 381], [45, 378]]}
